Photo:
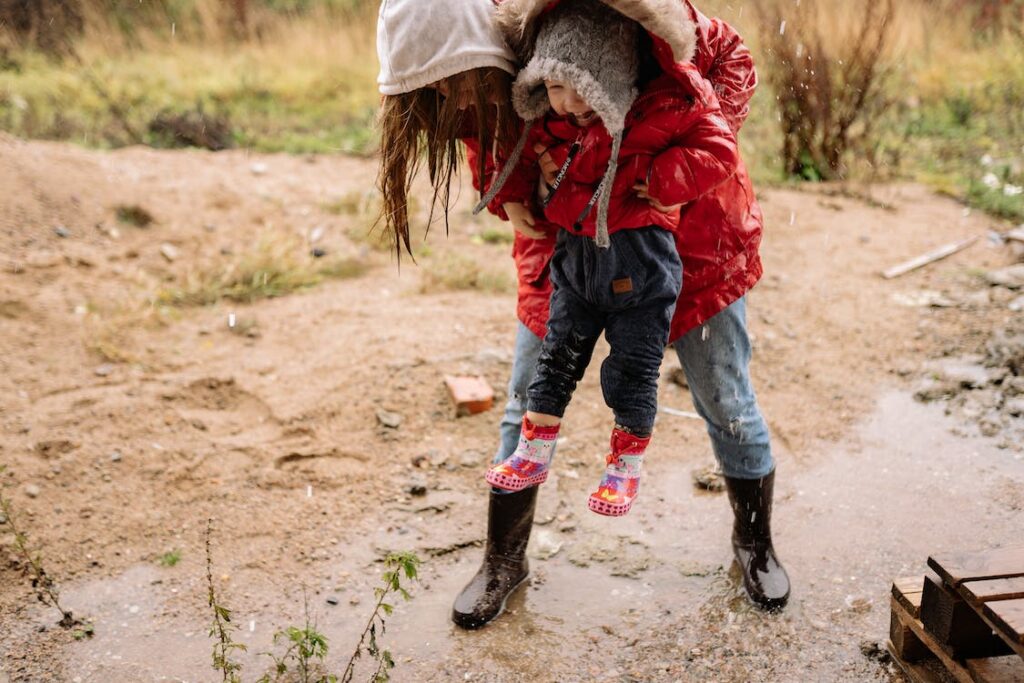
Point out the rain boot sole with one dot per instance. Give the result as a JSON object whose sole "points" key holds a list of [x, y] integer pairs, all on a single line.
{"points": [[471, 624], [608, 509], [506, 483]]}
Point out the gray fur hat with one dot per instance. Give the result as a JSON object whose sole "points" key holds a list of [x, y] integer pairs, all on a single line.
{"points": [[593, 48]]}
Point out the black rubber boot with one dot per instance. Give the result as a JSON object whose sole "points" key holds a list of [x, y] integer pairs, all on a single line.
{"points": [[509, 520], [764, 577]]}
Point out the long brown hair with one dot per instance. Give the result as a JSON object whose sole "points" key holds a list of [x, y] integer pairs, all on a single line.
{"points": [[426, 125]]}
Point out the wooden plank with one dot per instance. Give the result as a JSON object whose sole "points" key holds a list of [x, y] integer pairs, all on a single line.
{"points": [[1008, 618], [904, 642], [954, 623], [917, 672], [958, 672], [996, 669], [993, 589], [908, 591], [931, 257], [954, 568]]}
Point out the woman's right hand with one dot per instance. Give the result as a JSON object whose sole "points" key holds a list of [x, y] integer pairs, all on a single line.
{"points": [[522, 220]]}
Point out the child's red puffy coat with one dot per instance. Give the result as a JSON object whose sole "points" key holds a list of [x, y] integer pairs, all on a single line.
{"points": [[718, 235], [675, 140]]}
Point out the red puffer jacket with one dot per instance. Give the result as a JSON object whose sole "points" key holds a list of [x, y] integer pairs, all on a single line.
{"points": [[675, 139], [718, 235]]}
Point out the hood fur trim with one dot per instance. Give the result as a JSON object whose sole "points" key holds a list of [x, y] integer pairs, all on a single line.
{"points": [[665, 19]]}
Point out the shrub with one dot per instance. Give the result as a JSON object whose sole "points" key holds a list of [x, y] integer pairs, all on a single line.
{"points": [[829, 86]]}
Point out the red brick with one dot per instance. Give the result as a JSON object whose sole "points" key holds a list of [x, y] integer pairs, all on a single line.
{"points": [[471, 395]]}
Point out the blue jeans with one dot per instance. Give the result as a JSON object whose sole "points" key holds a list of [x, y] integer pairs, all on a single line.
{"points": [[628, 291], [716, 359]]}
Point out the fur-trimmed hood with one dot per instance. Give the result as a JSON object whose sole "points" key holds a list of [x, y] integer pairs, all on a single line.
{"points": [[665, 20]]}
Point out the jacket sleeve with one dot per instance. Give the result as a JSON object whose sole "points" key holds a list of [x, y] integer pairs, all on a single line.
{"points": [[724, 59], [703, 155], [732, 73]]}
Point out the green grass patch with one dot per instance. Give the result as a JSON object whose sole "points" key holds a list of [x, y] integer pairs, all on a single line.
{"points": [[170, 559]]}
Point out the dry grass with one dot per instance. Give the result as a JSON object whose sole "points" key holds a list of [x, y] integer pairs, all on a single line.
{"points": [[301, 84], [456, 272], [828, 66], [276, 266]]}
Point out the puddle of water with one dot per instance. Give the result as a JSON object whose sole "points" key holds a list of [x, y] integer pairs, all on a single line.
{"points": [[847, 522]]}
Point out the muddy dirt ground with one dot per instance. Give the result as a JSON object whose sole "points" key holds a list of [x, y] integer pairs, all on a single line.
{"points": [[124, 428]]}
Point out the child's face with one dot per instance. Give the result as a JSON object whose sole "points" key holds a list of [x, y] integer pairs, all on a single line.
{"points": [[567, 102]]}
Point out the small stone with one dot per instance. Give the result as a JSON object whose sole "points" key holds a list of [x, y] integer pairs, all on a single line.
{"points": [[104, 370], [32, 491], [965, 372], [709, 479], [318, 252], [1017, 305], [936, 391], [332, 601], [116, 456], [62, 232], [1011, 277], [44, 259], [979, 299], [546, 544], [858, 604], [417, 486], [421, 461], [1015, 407], [169, 252], [389, 419], [259, 168], [471, 459], [990, 426], [872, 649]]}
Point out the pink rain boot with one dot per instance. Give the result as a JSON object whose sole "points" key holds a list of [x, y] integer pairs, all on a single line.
{"points": [[528, 466], [621, 482]]}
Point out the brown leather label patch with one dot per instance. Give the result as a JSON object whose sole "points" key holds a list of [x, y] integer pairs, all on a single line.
{"points": [[622, 286]]}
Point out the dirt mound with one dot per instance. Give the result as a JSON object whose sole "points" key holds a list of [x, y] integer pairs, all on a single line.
{"points": [[985, 389]]}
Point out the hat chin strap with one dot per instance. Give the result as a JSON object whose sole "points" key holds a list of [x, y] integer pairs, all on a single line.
{"points": [[601, 197], [601, 235], [506, 170]]}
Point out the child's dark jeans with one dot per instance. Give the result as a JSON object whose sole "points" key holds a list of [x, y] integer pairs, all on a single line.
{"points": [[628, 291]]}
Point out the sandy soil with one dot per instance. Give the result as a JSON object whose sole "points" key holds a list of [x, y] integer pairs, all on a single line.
{"points": [[275, 434]]}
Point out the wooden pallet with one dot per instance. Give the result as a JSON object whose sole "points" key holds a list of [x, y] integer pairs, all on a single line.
{"points": [[992, 584], [966, 623]]}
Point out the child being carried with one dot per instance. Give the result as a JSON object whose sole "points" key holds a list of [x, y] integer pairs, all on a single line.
{"points": [[634, 145]]}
